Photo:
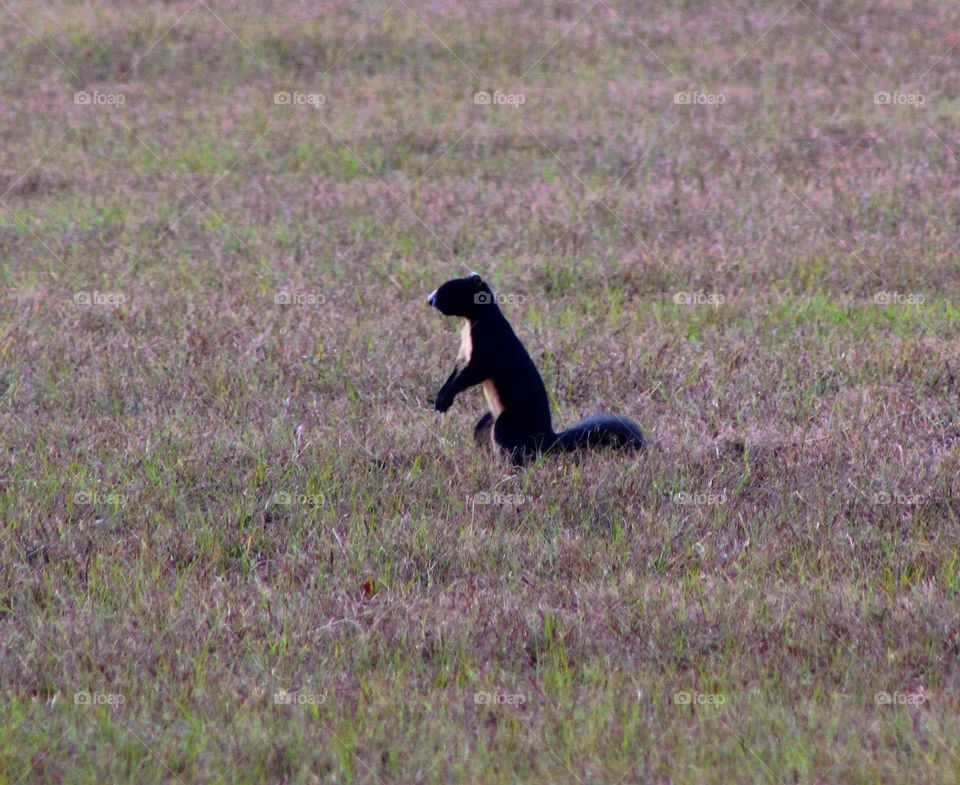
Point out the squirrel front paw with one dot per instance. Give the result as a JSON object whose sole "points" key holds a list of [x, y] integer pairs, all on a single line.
{"points": [[444, 401]]}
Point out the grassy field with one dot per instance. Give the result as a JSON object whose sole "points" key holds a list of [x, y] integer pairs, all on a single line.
{"points": [[239, 546]]}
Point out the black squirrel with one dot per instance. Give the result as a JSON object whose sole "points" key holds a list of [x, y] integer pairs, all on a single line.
{"points": [[491, 355]]}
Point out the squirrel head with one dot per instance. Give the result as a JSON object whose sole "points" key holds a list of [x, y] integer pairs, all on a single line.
{"points": [[467, 297]]}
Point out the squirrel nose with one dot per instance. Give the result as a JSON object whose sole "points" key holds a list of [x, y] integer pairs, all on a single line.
{"points": [[432, 298]]}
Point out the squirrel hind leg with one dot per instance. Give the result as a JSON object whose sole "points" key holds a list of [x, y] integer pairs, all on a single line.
{"points": [[483, 432], [512, 435]]}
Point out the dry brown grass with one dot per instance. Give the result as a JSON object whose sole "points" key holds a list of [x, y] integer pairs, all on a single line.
{"points": [[208, 497]]}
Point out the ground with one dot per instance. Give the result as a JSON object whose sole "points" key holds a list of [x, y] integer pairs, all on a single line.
{"points": [[238, 544]]}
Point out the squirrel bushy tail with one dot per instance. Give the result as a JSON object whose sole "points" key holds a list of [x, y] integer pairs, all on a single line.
{"points": [[601, 430]]}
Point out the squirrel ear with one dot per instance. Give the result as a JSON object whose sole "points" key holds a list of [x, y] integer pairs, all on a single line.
{"points": [[475, 277]]}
